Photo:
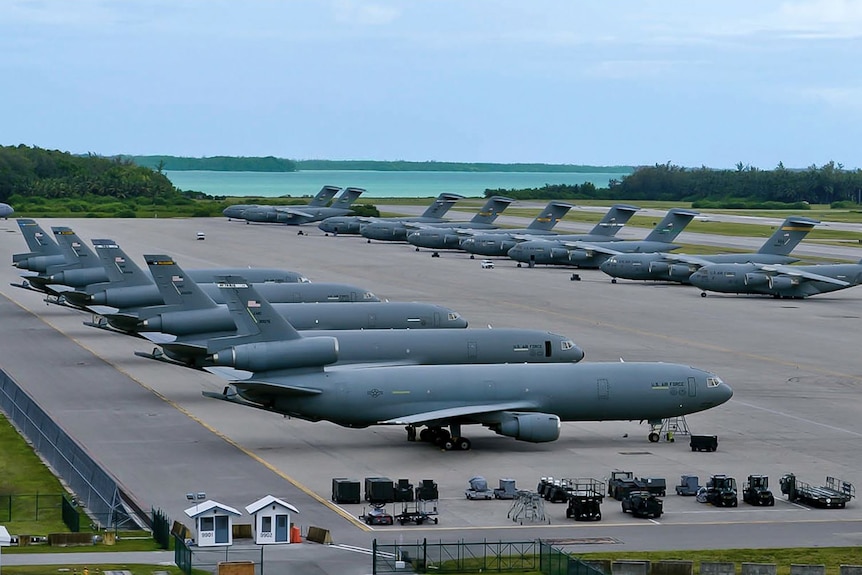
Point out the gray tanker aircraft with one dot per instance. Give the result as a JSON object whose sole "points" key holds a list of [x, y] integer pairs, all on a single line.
{"points": [[661, 266], [6, 210], [189, 311], [44, 251], [86, 271], [322, 198], [397, 231], [263, 340], [498, 242], [526, 401], [779, 281], [296, 215], [567, 250], [133, 288], [352, 224]]}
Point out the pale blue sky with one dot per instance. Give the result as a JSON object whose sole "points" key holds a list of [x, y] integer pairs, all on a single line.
{"points": [[558, 81]]}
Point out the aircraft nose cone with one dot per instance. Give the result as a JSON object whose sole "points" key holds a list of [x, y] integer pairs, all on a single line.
{"points": [[698, 278], [577, 354], [607, 265]]}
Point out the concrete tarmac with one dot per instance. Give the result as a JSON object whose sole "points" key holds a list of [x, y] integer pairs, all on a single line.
{"points": [[793, 364]]}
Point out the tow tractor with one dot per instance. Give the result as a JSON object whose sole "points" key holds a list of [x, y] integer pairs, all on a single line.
{"points": [[756, 491]]}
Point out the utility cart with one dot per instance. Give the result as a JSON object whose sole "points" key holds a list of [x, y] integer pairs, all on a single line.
{"points": [[688, 485], [642, 503], [836, 494], [703, 442], [585, 500], [417, 512]]}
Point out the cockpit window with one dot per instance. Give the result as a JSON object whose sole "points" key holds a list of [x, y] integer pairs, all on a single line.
{"points": [[567, 344], [368, 296], [713, 381], [453, 315]]}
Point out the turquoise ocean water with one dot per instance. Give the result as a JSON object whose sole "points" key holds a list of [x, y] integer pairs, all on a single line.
{"points": [[376, 184]]}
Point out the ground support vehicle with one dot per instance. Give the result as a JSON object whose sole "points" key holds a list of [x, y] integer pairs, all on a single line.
{"points": [[478, 489], [721, 491], [688, 485], [585, 500], [506, 490], [622, 482], [703, 442], [377, 515], [756, 491], [559, 491], [416, 512], [642, 503], [655, 485], [834, 495]]}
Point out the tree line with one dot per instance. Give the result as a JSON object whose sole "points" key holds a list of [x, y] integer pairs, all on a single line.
{"points": [[744, 187], [216, 163], [32, 172]]}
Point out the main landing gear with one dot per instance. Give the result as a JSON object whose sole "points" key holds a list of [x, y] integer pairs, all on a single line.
{"points": [[441, 437], [655, 430]]}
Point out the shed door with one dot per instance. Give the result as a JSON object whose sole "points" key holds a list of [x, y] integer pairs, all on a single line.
{"points": [[221, 529], [281, 527]]}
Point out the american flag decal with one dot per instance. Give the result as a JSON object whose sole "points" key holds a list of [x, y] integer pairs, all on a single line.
{"points": [[253, 303], [177, 278], [119, 260]]}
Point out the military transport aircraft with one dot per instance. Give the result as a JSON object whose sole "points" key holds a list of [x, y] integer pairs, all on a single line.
{"points": [[322, 198], [397, 231], [130, 287], [44, 251], [296, 215], [6, 210], [189, 311], [352, 224], [498, 242], [449, 236], [661, 266], [590, 254], [779, 281], [526, 401], [263, 339]]}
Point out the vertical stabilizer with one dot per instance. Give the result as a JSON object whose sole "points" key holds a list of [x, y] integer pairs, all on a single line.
{"points": [[347, 197], [120, 269], [492, 208], [76, 252], [175, 287], [614, 220], [441, 205], [549, 216], [38, 242], [671, 226], [255, 318], [325, 194], [788, 235]]}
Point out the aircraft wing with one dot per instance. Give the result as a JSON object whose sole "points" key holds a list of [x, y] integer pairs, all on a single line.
{"points": [[456, 412], [295, 212], [275, 388], [159, 337], [591, 248], [793, 272], [686, 259]]}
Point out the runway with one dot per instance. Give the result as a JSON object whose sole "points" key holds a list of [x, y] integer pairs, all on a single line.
{"points": [[794, 366]]}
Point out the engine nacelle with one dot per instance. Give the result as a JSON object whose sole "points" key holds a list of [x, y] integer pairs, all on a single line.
{"points": [[272, 355], [782, 283], [579, 256], [189, 322], [680, 271], [532, 427], [559, 254], [79, 277], [756, 279], [658, 267]]}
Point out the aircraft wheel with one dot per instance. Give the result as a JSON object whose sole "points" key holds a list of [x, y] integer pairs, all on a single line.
{"points": [[472, 256], [435, 255], [367, 241], [614, 280], [426, 435], [653, 437], [519, 265], [463, 444], [448, 444], [703, 294]]}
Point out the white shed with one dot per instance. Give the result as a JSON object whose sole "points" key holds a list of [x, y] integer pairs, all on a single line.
{"points": [[213, 523], [271, 520]]}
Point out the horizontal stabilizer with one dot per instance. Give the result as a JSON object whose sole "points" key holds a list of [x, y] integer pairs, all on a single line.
{"points": [[456, 412], [258, 386]]}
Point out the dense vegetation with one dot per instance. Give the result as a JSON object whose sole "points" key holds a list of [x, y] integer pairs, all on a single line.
{"points": [[745, 187], [215, 163]]}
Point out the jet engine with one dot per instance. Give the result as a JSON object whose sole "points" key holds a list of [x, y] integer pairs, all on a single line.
{"points": [[680, 271], [189, 322], [532, 427], [79, 277], [273, 355], [579, 255], [782, 283], [559, 254], [756, 279], [659, 267]]}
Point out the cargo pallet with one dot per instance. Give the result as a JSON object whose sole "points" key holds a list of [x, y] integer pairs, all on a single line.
{"points": [[836, 494]]}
